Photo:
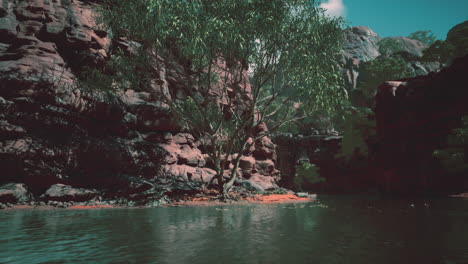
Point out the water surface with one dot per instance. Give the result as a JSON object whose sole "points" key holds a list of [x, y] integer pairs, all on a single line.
{"points": [[334, 230]]}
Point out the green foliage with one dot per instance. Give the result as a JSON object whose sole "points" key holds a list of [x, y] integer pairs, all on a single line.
{"points": [[388, 46], [307, 173], [456, 45], [289, 46], [425, 36], [374, 73], [358, 131], [454, 157], [439, 51]]}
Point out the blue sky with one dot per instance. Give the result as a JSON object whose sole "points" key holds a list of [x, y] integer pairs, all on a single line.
{"points": [[401, 17]]}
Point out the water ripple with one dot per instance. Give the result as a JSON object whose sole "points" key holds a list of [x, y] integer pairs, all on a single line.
{"points": [[335, 231]]}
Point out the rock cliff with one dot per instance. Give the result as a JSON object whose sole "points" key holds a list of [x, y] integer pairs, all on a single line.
{"points": [[126, 143], [362, 45], [414, 117]]}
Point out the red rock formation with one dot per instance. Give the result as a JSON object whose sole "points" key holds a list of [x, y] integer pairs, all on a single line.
{"points": [[53, 132]]}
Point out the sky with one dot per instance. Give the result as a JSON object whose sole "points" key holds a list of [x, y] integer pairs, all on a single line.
{"points": [[401, 17]]}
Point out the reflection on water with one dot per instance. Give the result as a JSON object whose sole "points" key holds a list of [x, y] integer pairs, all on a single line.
{"points": [[346, 230]]}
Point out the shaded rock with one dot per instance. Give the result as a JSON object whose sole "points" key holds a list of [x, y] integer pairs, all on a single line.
{"points": [[181, 138], [265, 167], [189, 156], [9, 131], [414, 117], [61, 192], [264, 149], [457, 37], [247, 163], [14, 193]]}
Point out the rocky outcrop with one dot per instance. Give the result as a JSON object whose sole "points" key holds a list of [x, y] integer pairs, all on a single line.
{"points": [[414, 117], [14, 193], [402, 44], [457, 37], [361, 45], [66, 193], [54, 132]]}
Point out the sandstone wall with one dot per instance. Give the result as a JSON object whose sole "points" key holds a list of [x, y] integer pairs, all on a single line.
{"points": [[51, 131]]}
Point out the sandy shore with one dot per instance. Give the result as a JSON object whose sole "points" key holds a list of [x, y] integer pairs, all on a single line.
{"points": [[256, 199]]}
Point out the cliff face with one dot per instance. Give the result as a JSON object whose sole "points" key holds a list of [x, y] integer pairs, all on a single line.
{"points": [[414, 117], [361, 45], [126, 143]]}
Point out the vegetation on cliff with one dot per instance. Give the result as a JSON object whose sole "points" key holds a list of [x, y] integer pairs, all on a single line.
{"points": [[425, 36], [453, 156], [282, 45]]}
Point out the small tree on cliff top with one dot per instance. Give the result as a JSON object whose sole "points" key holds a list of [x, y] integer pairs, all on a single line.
{"points": [[283, 44], [425, 36]]}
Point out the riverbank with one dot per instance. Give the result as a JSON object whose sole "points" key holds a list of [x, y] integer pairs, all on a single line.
{"points": [[195, 200], [253, 199]]}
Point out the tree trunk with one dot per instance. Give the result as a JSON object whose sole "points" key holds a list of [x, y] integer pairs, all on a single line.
{"points": [[219, 176]]}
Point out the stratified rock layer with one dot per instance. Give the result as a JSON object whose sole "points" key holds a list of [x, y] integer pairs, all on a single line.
{"points": [[52, 132]]}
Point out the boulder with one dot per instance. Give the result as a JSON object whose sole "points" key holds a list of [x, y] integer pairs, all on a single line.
{"points": [[261, 182], [14, 193], [188, 173], [264, 149], [61, 192], [247, 163], [265, 167], [190, 156]]}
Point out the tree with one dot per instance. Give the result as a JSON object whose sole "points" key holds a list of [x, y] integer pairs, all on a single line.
{"points": [[425, 36], [374, 73], [438, 51], [283, 44]]}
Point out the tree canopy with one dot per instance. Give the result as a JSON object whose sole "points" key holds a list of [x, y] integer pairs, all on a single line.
{"points": [[425, 36], [288, 47]]}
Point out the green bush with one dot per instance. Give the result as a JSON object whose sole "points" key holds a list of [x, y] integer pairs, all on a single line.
{"points": [[307, 173], [358, 131], [425, 36], [454, 156]]}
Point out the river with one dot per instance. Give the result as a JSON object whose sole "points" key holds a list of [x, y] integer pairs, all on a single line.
{"points": [[346, 229]]}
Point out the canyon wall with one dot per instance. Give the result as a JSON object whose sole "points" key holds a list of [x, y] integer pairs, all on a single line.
{"points": [[124, 142], [414, 117]]}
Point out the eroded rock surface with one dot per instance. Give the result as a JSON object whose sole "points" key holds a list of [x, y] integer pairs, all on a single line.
{"points": [[362, 45], [14, 193], [52, 132]]}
